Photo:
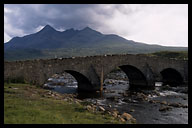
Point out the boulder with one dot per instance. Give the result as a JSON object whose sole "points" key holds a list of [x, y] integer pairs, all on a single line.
{"points": [[164, 102], [165, 108], [120, 93], [126, 116], [115, 98], [77, 102], [101, 108], [175, 104], [88, 107], [151, 101], [112, 91], [115, 113], [121, 119], [109, 112], [184, 106], [125, 94], [178, 105], [184, 98], [141, 97], [133, 120], [156, 92]]}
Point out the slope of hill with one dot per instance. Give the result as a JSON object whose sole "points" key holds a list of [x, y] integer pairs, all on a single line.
{"points": [[50, 43]]}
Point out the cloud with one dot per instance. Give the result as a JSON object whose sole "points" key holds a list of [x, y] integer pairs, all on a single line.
{"points": [[153, 24], [6, 37]]}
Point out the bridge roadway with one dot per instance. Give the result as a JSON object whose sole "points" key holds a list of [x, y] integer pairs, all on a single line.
{"points": [[91, 71]]}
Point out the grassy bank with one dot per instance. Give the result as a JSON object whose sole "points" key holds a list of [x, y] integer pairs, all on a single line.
{"points": [[171, 54], [27, 104]]}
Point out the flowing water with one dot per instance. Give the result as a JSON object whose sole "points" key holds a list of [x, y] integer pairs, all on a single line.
{"points": [[143, 105]]}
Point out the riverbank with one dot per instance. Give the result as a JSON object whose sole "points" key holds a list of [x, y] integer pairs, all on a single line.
{"points": [[27, 104]]}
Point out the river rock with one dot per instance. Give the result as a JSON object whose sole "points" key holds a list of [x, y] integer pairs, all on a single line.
{"points": [[69, 99], [184, 91], [127, 99], [114, 114], [184, 98], [184, 106], [115, 98], [166, 87], [64, 99], [156, 92], [101, 108], [141, 97], [77, 102], [43, 95], [133, 120], [178, 105], [114, 109], [126, 116], [175, 104], [109, 112], [125, 94], [165, 108], [88, 107], [152, 101], [164, 102], [122, 119], [122, 82], [60, 83], [120, 93], [94, 106], [47, 87], [112, 91]]}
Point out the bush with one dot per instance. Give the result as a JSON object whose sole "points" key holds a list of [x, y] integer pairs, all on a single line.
{"points": [[15, 80]]}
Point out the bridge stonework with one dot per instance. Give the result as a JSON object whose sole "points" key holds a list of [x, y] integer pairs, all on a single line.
{"points": [[141, 70]]}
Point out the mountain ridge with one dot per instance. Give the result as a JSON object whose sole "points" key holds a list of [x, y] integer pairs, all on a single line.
{"points": [[50, 40]]}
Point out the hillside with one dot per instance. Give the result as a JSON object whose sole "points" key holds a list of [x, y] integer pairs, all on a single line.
{"points": [[50, 43]]}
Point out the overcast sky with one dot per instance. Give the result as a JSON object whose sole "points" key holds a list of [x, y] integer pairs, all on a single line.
{"points": [[153, 24]]}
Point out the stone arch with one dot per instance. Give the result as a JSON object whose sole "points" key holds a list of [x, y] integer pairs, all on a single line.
{"points": [[171, 77], [84, 84], [136, 78]]}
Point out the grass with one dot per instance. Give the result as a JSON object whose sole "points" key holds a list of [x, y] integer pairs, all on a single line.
{"points": [[25, 104], [171, 54]]}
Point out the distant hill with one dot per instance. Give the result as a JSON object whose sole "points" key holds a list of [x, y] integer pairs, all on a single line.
{"points": [[50, 43]]}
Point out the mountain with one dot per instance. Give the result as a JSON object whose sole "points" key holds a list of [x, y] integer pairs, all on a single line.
{"points": [[49, 43]]}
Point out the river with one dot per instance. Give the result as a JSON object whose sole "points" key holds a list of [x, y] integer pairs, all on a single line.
{"points": [[162, 105]]}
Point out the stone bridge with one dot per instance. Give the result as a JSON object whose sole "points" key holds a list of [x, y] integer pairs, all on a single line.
{"points": [[90, 72]]}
